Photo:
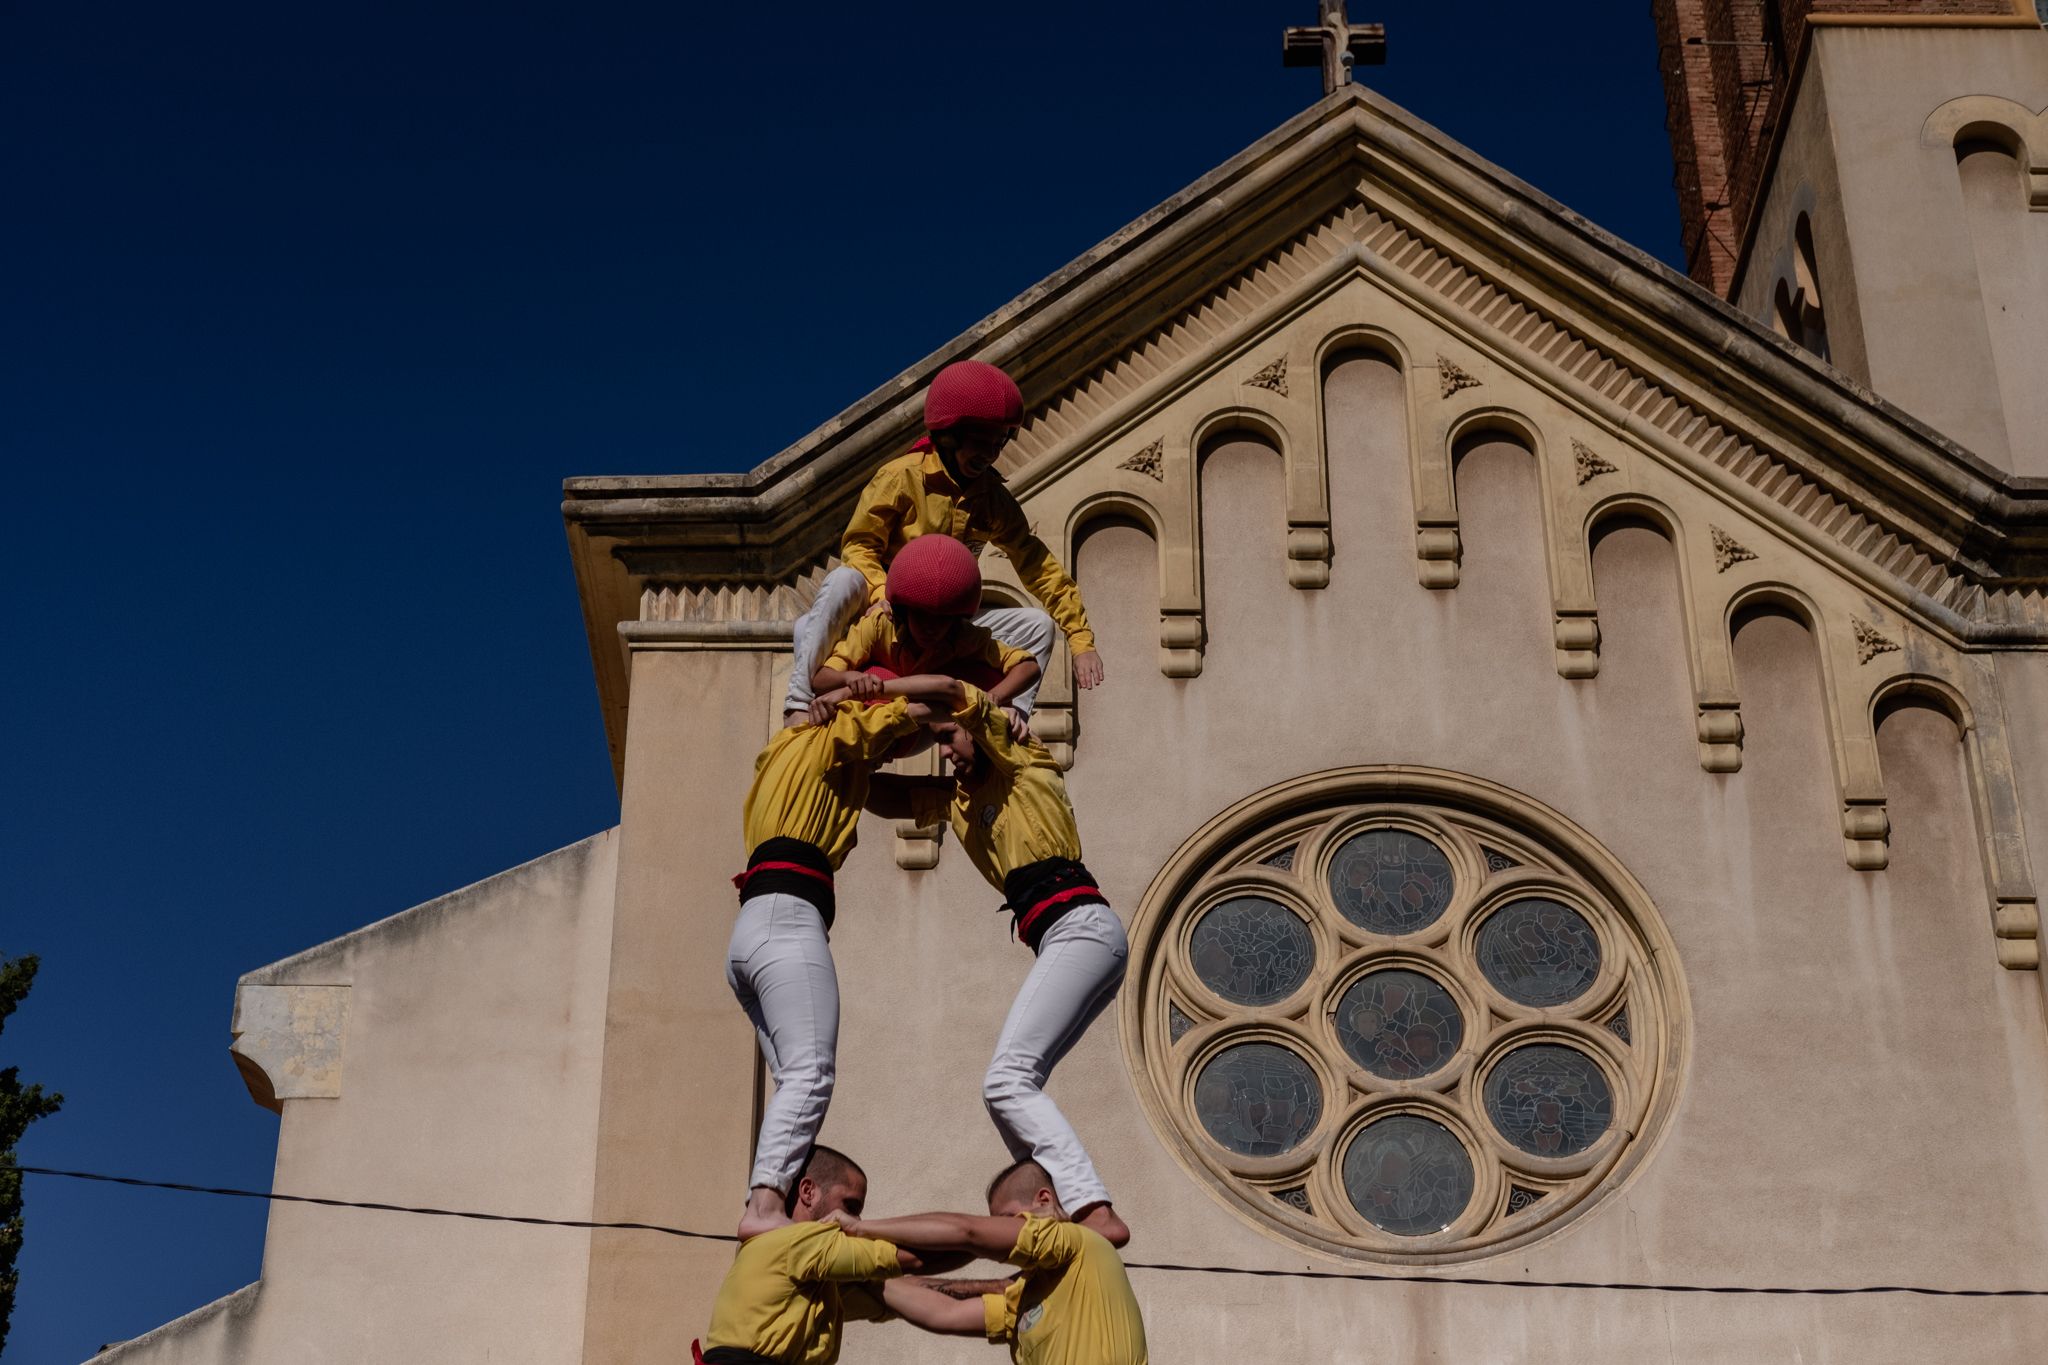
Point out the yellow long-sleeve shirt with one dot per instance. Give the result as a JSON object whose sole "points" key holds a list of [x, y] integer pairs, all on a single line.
{"points": [[1015, 812], [1074, 1305], [811, 780], [789, 1292], [876, 640], [913, 495]]}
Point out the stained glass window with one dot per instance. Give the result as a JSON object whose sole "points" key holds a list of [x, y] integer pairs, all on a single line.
{"points": [[1408, 1175], [1258, 1099], [1393, 931], [1390, 881], [1251, 951], [1549, 1100], [1538, 952], [1399, 1024]]}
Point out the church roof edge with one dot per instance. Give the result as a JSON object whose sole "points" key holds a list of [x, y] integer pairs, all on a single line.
{"points": [[757, 494]]}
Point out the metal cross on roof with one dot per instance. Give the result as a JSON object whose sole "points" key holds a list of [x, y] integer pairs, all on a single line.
{"points": [[1335, 45]]}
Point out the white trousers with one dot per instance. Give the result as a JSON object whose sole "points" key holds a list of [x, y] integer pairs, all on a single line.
{"points": [[1080, 966], [780, 967], [839, 601]]}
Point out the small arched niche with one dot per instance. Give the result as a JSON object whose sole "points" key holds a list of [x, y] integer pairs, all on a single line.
{"points": [[1495, 469], [1644, 632], [1798, 313], [2010, 244], [1367, 442], [1241, 477]]}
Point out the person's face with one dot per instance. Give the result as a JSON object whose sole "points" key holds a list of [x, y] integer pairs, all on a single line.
{"points": [[958, 748], [1043, 1204], [975, 448], [851, 1195], [926, 631]]}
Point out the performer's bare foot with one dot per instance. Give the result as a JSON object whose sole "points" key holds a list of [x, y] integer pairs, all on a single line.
{"points": [[764, 1212], [1102, 1220]]}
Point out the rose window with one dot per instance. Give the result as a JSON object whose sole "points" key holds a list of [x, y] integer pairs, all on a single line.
{"points": [[1403, 1015]]}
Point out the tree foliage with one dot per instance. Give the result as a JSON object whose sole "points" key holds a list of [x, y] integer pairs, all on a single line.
{"points": [[20, 1105]]}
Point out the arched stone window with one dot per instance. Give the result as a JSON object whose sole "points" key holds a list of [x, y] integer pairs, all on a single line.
{"points": [[1403, 1015], [1800, 317]]}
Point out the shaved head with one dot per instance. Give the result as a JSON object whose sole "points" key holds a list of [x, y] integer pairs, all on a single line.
{"points": [[1017, 1186], [835, 1180]]}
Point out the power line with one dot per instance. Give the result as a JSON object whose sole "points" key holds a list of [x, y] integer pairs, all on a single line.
{"points": [[1624, 1286], [275, 1197]]}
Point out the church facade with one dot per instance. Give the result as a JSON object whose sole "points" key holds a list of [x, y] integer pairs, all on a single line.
{"points": [[1574, 768]]}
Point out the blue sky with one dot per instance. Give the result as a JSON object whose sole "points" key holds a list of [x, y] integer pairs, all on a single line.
{"points": [[306, 313]]}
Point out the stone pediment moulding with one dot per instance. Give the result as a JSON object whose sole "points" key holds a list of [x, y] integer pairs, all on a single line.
{"points": [[1960, 600]]}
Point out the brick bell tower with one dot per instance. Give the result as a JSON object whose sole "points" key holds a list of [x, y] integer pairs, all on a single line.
{"points": [[1870, 178]]}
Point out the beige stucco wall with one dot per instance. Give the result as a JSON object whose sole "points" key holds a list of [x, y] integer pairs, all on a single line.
{"points": [[468, 1079], [678, 1099], [1947, 323], [1865, 1097]]}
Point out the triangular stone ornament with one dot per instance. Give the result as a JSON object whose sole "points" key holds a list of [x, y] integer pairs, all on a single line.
{"points": [[1521, 1197], [1273, 377], [1728, 552], [1870, 641], [1497, 861], [1148, 461], [1618, 1025], [1296, 1197], [1177, 1023], [1590, 466], [1284, 859], [1451, 376]]}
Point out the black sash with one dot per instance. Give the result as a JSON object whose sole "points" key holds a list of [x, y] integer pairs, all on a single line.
{"points": [[1039, 894], [734, 1355], [793, 868]]}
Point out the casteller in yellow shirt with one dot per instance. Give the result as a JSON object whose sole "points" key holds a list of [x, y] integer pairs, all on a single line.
{"points": [[916, 494], [1072, 1306], [791, 1290]]}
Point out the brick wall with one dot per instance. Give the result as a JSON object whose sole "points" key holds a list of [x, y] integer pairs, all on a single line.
{"points": [[1727, 66]]}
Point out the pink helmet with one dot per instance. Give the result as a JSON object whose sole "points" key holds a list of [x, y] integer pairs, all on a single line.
{"points": [[972, 391], [937, 574]]}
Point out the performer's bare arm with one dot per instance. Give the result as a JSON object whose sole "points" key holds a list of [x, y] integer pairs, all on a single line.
{"points": [[935, 1312]]}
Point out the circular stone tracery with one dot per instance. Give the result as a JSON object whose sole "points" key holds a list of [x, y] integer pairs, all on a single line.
{"points": [[1345, 1082], [1390, 881], [1408, 1175], [1549, 1100], [1251, 950], [1399, 1024], [1258, 1099], [1538, 952]]}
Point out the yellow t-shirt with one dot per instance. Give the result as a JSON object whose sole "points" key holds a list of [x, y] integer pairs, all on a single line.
{"points": [[875, 640], [789, 1291], [811, 780], [913, 495], [1016, 811], [1073, 1306]]}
